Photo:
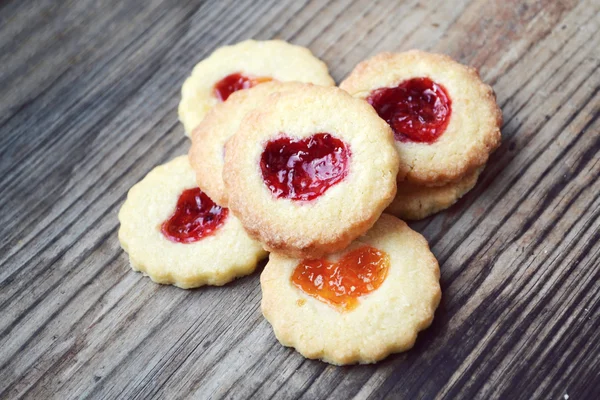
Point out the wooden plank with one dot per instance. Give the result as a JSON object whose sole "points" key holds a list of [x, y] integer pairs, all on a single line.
{"points": [[88, 99]]}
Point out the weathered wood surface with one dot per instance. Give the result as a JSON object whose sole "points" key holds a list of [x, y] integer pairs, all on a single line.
{"points": [[88, 97]]}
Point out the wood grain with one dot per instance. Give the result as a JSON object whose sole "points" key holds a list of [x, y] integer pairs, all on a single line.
{"points": [[88, 97]]}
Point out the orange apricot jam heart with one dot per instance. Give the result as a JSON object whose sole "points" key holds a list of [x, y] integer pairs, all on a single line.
{"points": [[234, 82], [196, 216], [341, 283]]}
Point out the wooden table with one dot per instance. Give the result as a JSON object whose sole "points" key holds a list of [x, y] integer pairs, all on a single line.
{"points": [[88, 98]]}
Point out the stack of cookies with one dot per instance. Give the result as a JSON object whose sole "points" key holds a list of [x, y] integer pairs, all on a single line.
{"points": [[283, 162], [445, 122]]}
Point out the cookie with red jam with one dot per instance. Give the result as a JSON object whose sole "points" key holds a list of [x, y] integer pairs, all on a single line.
{"points": [[358, 305], [414, 202], [207, 153], [242, 66], [175, 234], [445, 119], [310, 170]]}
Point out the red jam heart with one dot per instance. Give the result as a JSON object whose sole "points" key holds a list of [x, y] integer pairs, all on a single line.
{"points": [[196, 216], [234, 82], [304, 169], [417, 110], [340, 284]]}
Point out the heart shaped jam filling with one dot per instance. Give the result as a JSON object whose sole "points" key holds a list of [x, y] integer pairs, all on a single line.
{"points": [[234, 82], [196, 216], [417, 110], [341, 283], [304, 169]]}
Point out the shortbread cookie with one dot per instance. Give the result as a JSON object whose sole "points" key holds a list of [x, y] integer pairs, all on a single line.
{"points": [[356, 306], [413, 202], [445, 119], [310, 171], [175, 234], [243, 65], [208, 139]]}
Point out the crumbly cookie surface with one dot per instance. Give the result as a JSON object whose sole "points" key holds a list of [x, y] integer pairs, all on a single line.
{"points": [[213, 260], [273, 59], [385, 321], [347, 209], [414, 202], [473, 131], [208, 139]]}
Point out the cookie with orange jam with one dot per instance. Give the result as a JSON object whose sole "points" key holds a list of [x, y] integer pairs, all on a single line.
{"points": [[445, 119], [358, 305], [414, 202], [175, 234], [207, 153], [310, 170], [241, 66]]}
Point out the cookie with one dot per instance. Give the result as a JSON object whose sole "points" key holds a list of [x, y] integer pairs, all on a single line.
{"points": [[208, 139], [445, 119], [413, 202], [243, 65], [358, 305], [176, 235], [310, 170]]}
